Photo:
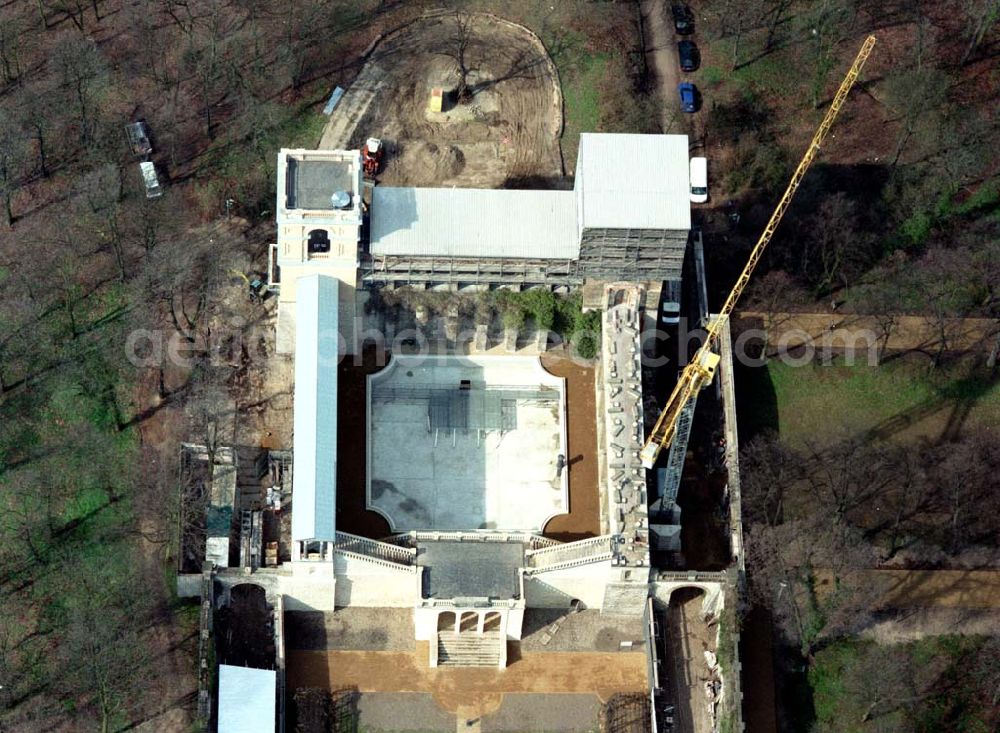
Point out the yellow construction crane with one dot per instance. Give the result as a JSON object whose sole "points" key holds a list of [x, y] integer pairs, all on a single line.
{"points": [[700, 371]]}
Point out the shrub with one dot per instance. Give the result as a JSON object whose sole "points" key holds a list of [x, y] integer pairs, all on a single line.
{"points": [[513, 316]]}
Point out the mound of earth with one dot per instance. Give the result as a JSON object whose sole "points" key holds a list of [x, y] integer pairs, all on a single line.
{"points": [[434, 162], [509, 127]]}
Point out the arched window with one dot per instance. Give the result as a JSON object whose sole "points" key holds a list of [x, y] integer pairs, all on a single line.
{"points": [[319, 241]]}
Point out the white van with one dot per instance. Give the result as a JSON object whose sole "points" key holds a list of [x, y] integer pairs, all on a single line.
{"points": [[699, 180]]}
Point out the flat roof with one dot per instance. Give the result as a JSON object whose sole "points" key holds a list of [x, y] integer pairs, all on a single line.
{"points": [[247, 699], [470, 570], [633, 181], [314, 462], [473, 222], [311, 183]]}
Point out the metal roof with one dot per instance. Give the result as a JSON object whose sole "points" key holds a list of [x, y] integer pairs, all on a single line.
{"points": [[314, 467], [633, 182], [246, 699], [473, 222]]}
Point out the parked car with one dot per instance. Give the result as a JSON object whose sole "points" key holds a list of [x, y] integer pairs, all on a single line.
{"points": [[687, 51], [699, 180], [670, 303], [683, 19], [151, 180], [689, 96], [138, 139]]}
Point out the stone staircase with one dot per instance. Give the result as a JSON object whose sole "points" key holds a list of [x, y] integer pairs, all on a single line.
{"points": [[469, 649]]}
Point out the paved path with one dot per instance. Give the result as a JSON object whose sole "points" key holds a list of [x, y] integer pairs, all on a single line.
{"points": [[661, 55], [970, 589], [910, 332], [351, 109]]}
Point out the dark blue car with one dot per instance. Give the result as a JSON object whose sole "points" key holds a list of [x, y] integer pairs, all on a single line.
{"points": [[689, 96]]}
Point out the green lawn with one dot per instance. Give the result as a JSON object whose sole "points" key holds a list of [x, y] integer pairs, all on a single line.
{"points": [[581, 100], [823, 404], [935, 684]]}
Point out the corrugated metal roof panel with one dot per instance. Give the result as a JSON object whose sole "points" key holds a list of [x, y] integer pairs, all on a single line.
{"points": [[466, 222], [314, 470], [246, 699], [633, 181]]}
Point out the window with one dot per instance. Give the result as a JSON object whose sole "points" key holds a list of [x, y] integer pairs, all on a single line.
{"points": [[319, 241]]}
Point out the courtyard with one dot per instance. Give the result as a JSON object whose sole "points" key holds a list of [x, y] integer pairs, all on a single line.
{"points": [[483, 438]]}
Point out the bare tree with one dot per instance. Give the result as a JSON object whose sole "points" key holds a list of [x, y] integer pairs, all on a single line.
{"points": [[457, 48], [11, 159], [84, 77], [881, 301], [943, 281], [981, 16], [917, 96], [775, 294]]}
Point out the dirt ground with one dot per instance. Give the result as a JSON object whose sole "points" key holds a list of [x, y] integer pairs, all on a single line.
{"points": [[507, 134], [914, 333], [171, 698], [584, 518], [468, 691], [351, 447], [970, 589], [360, 629], [757, 658], [688, 638], [661, 55]]}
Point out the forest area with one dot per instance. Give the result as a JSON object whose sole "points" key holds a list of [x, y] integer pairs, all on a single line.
{"points": [[850, 468], [92, 636], [901, 216]]}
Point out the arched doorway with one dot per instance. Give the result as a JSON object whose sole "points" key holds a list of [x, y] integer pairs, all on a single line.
{"points": [[446, 621], [319, 241], [470, 621], [492, 622]]}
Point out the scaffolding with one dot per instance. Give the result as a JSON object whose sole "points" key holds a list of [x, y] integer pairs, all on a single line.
{"points": [[632, 254], [396, 271]]}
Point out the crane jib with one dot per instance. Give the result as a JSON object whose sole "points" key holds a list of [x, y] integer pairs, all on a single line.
{"points": [[695, 375]]}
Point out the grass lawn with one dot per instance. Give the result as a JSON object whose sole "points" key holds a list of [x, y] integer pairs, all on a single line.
{"points": [[581, 101], [900, 399], [929, 685]]}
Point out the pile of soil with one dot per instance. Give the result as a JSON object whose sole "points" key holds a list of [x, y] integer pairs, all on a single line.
{"points": [[437, 162]]}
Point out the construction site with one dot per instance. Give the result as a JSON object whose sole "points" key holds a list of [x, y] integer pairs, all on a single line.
{"points": [[459, 521]]}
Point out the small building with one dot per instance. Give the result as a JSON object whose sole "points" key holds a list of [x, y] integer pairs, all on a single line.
{"points": [[247, 700]]}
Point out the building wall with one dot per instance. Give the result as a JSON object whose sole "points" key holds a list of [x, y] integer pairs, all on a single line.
{"points": [[308, 587], [294, 260], [559, 588], [377, 584], [425, 620], [632, 254]]}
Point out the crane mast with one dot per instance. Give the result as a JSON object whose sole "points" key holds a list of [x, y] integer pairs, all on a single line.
{"points": [[701, 369]]}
